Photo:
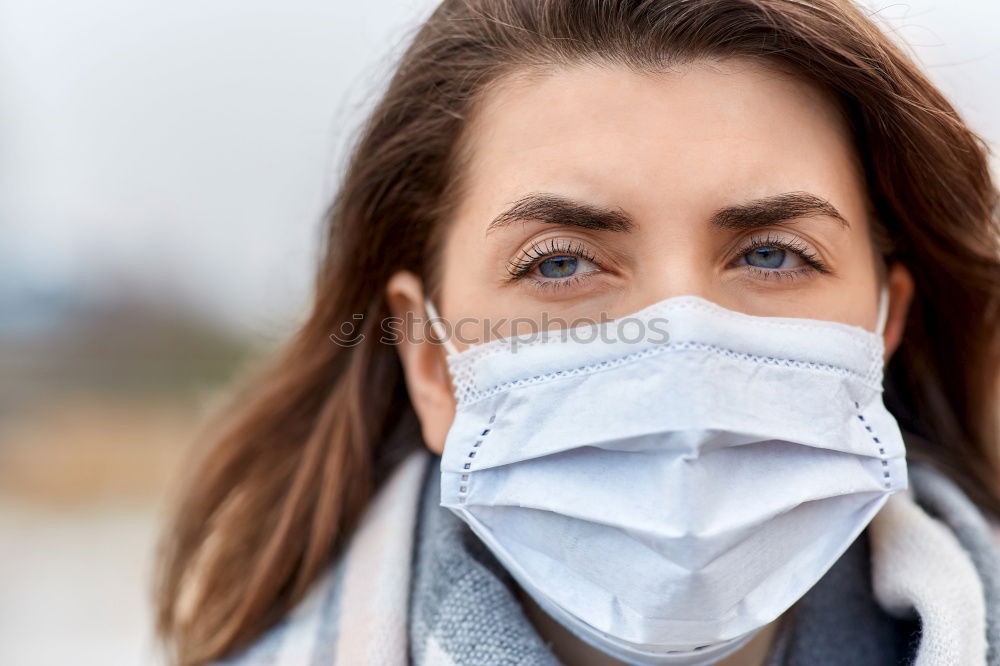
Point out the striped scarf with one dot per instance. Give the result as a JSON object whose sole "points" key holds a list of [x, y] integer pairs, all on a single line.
{"points": [[416, 586]]}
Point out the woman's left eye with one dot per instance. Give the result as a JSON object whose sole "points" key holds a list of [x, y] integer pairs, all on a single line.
{"points": [[772, 258], [778, 256]]}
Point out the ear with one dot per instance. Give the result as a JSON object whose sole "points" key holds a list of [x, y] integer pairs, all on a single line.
{"points": [[424, 366], [900, 296]]}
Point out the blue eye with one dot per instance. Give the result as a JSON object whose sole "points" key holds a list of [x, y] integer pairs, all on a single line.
{"points": [[765, 257], [771, 257], [553, 262], [558, 267], [777, 256]]}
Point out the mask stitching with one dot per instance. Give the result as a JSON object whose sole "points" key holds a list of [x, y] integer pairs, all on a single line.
{"points": [[467, 394], [886, 475], [551, 337], [463, 487]]}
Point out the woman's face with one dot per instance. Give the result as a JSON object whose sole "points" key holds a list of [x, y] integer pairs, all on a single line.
{"points": [[594, 192]]}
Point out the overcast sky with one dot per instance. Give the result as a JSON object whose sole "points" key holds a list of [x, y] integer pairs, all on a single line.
{"points": [[187, 149]]}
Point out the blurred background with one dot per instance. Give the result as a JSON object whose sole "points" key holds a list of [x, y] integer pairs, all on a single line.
{"points": [[164, 168]]}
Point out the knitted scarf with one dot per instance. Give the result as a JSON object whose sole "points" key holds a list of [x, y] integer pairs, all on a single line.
{"points": [[415, 586]]}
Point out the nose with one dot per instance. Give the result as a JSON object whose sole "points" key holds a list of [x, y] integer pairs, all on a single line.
{"points": [[676, 276]]}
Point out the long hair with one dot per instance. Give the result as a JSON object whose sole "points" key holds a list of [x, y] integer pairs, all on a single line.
{"points": [[290, 465]]}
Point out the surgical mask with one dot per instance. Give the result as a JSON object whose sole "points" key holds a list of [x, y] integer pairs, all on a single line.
{"points": [[665, 495]]}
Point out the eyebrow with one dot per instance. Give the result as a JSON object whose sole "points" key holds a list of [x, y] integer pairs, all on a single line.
{"points": [[774, 209], [556, 209]]}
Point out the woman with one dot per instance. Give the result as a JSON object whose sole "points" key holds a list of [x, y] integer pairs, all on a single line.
{"points": [[779, 204]]}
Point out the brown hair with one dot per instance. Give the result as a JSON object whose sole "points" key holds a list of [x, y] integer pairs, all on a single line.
{"points": [[294, 461]]}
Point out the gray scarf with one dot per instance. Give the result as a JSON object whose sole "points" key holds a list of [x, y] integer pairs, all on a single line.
{"points": [[463, 602], [417, 586]]}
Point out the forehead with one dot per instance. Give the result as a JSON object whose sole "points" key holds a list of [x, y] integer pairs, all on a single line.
{"points": [[683, 141]]}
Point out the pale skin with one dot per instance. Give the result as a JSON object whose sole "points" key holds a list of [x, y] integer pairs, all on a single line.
{"points": [[669, 151]]}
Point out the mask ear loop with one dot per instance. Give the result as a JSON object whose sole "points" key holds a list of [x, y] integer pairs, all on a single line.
{"points": [[883, 309], [435, 321]]}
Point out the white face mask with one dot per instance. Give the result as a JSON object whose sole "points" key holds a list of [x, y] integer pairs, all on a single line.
{"points": [[664, 499]]}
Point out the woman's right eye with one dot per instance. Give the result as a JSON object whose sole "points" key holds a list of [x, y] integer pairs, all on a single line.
{"points": [[552, 260], [564, 266]]}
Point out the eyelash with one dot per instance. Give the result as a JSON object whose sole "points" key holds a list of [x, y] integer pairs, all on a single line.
{"points": [[521, 266], [799, 249]]}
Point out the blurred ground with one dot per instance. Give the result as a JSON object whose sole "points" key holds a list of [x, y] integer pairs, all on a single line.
{"points": [[96, 415]]}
